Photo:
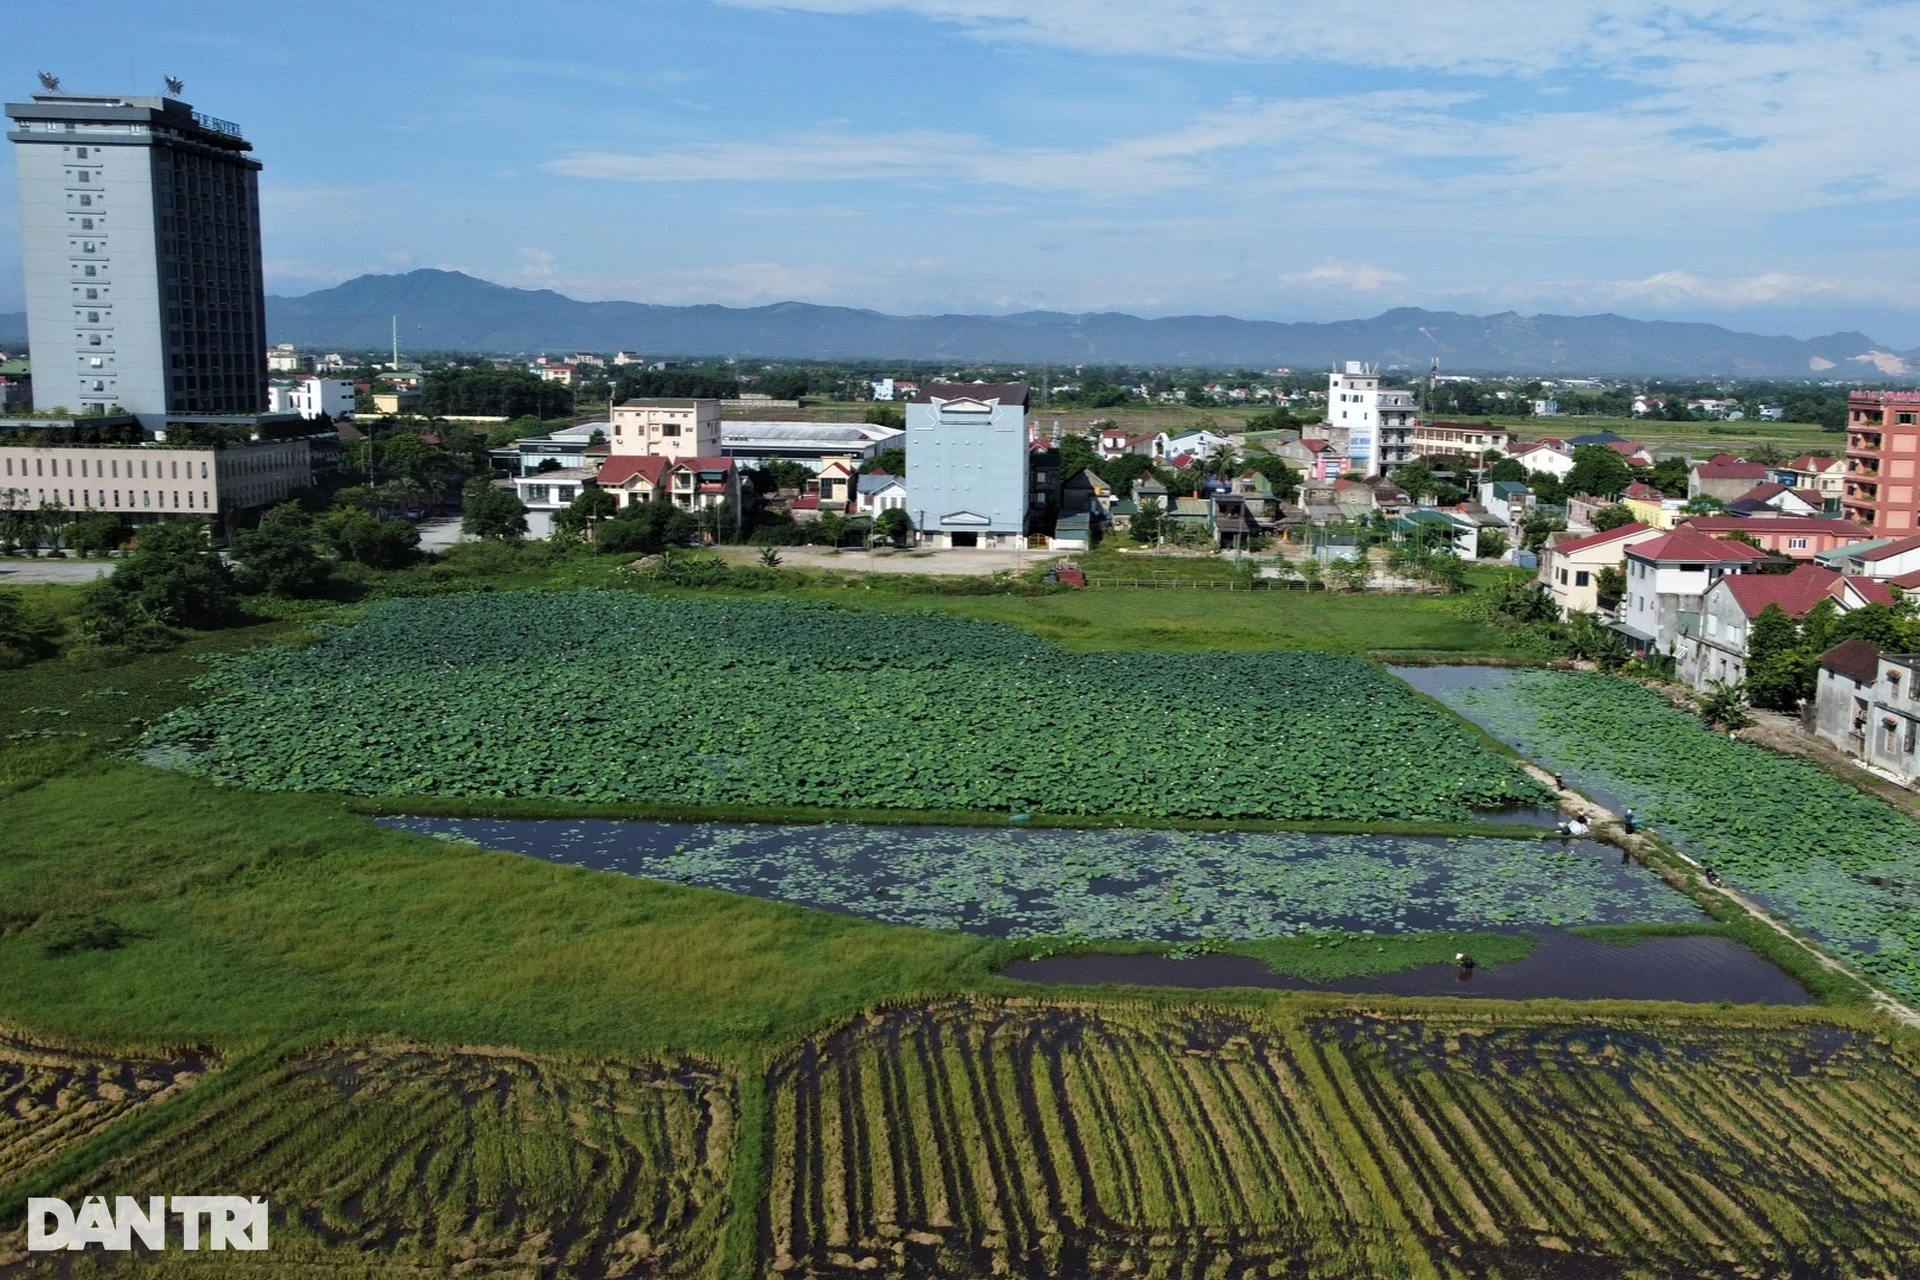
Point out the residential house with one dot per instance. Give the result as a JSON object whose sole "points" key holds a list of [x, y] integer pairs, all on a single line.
{"points": [[1509, 499], [1712, 645], [701, 484], [1085, 493], [634, 478], [1458, 439], [545, 494], [1652, 507], [1257, 492], [1824, 480], [835, 489], [1570, 567], [1117, 442], [566, 447], [879, 492], [1867, 703], [395, 402], [1667, 576], [968, 464], [1355, 499], [567, 375], [1316, 459], [1073, 532], [1198, 443], [1800, 537], [628, 357], [1543, 455], [1885, 559], [1149, 488], [1390, 499], [1775, 499], [665, 428], [1725, 477], [1379, 420], [1233, 521]]}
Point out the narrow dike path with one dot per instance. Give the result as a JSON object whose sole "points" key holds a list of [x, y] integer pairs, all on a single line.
{"points": [[1648, 851]]}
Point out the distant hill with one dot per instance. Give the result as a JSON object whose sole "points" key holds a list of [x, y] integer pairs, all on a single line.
{"points": [[449, 311]]}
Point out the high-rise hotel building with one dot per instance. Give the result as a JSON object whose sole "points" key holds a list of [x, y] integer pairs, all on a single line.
{"points": [[140, 229]]}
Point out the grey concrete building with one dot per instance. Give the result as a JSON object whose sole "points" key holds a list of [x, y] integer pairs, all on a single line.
{"points": [[140, 230], [968, 465]]}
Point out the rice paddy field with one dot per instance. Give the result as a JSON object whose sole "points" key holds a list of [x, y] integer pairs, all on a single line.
{"points": [[408, 1161], [53, 1098], [968, 1139]]}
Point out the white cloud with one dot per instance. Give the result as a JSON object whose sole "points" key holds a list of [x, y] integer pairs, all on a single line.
{"points": [[1358, 277]]}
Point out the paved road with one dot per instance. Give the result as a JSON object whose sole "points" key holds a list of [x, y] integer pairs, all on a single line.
{"points": [[18, 569]]}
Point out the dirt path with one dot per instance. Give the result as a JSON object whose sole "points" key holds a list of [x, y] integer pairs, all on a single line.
{"points": [[1642, 847]]}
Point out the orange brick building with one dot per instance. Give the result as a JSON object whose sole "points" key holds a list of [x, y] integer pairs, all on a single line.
{"points": [[1883, 461]]}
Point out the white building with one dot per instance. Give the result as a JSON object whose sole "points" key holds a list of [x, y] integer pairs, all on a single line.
{"points": [[145, 482], [665, 428], [545, 494], [883, 389], [754, 443], [1379, 422], [140, 239], [311, 397], [284, 359], [1542, 456]]}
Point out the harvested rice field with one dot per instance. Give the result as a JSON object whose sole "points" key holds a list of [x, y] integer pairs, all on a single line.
{"points": [[1030, 1139], [52, 1098], [483, 1163]]}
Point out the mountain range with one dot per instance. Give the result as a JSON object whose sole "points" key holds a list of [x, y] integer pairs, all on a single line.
{"points": [[451, 311]]}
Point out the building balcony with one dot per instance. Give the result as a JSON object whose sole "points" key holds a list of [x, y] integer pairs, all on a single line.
{"points": [[1863, 442]]}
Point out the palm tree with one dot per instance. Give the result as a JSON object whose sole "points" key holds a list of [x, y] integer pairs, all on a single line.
{"points": [[769, 557]]}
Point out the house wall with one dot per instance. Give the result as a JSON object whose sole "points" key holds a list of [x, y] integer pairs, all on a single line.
{"points": [[141, 482], [1717, 652], [967, 471], [684, 429]]}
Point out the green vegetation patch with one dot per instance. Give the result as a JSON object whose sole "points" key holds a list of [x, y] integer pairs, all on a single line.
{"points": [[1036, 1139], [606, 696], [1840, 865], [489, 1163]]}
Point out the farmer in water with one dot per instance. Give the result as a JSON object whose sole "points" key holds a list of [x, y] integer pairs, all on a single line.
{"points": [[1465, 962]]}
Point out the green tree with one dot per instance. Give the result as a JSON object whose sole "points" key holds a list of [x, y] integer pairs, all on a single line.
{"points": [[279, 558], [1417, 479], [172, 579], [96, 534], [892, 460], [1705, 505], [1878, 625], [584, 512], [1670, 476], [645, 528], [1780, 669], [28, 633], [1599, 471], [359, 537], [1446, 571], [886, 414], [1313, 573], [1121, 472], [491, 512], [1077, 454], [1725, 705], [1507, 469], [1147, 521], [1538, 527], [1491, 544], [1612, 518], [1356, 573], [1278, 473], [892, 525]]}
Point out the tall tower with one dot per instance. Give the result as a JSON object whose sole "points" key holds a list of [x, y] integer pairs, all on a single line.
{"points": [[140, 229]]}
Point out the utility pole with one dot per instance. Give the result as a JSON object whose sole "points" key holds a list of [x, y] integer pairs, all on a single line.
{"points": [[396, 344]]}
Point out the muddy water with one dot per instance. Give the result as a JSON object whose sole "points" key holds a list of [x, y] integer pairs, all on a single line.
{"points": [[1695, 969]]}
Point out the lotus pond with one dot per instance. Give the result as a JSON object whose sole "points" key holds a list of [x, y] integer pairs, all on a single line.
{"points": [[1843, 866], [1111, 883], [616, 696]]}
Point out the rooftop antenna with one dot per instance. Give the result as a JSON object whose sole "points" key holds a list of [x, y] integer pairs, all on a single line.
{"points": [[50, 82], [175, 86]]}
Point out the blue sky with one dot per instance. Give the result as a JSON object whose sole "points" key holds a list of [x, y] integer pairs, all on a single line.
{"points": [[1746, 163]]}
